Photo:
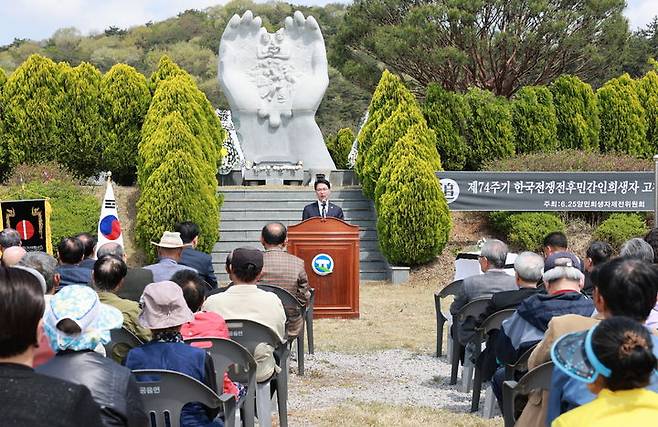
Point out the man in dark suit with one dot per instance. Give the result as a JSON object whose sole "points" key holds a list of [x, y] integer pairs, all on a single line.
{"points": [[322, 207], [89, 244], [70, 253], [136, 279], [201, 261]]}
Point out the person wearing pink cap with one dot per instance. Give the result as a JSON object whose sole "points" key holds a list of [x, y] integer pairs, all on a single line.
{"points": [[164, 311]]}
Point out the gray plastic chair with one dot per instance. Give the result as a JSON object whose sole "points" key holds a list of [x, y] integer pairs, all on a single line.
{"points": [[164, 394], [121, 338], [308, 323], [230, 357], [491, 323], [536, 379], [288, 299], [453, 289], [249, 334]]}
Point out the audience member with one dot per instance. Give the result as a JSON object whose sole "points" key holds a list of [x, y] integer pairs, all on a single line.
{"points": [[8, 238], [622, 287], [564, 280], [205, 324], [70, 252], [492, 262], [555, 242], [164, 311], [191, 257], [638, 249], [528, 268], [597, 253], [652, 239], [108, 275], [170, 248], [136, 278], [286, 271], [244, 300], [28, 398], [75, 323], [89, 242], [12, 255], [616, 360]]}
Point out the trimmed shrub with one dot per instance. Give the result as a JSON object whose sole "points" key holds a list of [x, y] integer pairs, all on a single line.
{"points": [[7, 159], [447, 114], [3, 78], [75, 209], [647, 91], [413, 221], [171, 194], [82, 122], [534, 120], [577, 114], [390, 92], [623, 125], [124, 102], [620, 227], [166, 69], [339, 147], [33, 100], [526, 230], [406, 115], [489, 128]]}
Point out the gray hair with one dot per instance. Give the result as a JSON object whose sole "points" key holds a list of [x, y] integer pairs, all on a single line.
{"points": [[45, 264], [563, 272], [529, 266], [637, 248], [495, 252], [110, 248], [9, 237]]}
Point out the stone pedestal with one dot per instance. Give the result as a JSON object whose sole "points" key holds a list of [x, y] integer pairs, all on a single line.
{"points": [[273, 174]]}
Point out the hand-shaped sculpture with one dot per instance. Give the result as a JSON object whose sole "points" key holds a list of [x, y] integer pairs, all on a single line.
{"points": [[274, 84]]}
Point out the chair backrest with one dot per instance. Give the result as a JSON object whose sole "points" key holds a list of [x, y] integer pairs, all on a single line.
{"points": [[453, 288], [121, 337], [286, 297], [249, 334], [230, 357], [164, 394], [473, 309], [495, 320], [538, 378]]}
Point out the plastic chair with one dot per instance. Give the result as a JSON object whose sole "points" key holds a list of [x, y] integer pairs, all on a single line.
{"points": [[473, 309], [164, 394], [536, 379], [491, 323], [288, 299], [453, 289], [249, 334], [121, 338], [230, 357], [308, 321]]}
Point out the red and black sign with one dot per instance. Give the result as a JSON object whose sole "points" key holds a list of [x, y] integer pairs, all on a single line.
{"points": [[29, 218]]}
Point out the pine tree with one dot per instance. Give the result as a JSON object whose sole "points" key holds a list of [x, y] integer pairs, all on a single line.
{"points": [[623, 123], [82, 124], [124, 102], [534, 120], [447, 115], [489, 128], [647, 90], [577, 114], [32, 113]]}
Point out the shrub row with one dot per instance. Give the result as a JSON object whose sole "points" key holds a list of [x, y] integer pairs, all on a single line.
{"points": [[396, 161], [177, 164]]}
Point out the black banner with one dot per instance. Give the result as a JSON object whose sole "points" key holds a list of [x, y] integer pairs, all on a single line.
{"points": [[31, 218]]}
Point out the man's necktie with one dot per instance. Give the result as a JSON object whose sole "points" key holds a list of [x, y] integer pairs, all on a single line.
{"points": [[324, 210]]}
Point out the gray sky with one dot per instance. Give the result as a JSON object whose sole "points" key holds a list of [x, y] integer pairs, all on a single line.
{"points": [[38, 19]]}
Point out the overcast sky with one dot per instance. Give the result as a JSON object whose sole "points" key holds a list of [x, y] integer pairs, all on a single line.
{"points": [[38, 19]]}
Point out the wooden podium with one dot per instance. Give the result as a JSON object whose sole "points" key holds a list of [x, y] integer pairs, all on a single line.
{"points": [[336, 293]]}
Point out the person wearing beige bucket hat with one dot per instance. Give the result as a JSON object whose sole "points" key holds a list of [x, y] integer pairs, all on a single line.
{"points": [[164, 311], [170, 248]]}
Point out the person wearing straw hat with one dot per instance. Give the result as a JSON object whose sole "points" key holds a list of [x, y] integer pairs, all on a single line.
{"points": [[164, 311], [616, 360], [76, 322], [170, 247]]}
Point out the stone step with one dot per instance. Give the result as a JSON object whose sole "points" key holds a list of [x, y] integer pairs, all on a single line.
{"points": [[229, 245], [274, 194], [248, 224], [257, 204], [364, 256], [285, 214], [253, 235]]}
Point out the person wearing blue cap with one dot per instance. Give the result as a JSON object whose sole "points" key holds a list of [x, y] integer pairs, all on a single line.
{"points": [[616, 361]]}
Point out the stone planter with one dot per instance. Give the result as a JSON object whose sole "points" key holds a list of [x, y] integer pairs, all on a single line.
{"points": [[399, 275]]}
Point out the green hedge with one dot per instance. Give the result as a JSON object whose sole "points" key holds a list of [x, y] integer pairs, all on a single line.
{"points": [[534, 120], [526, 230], [620, 227], [339, 147], [577, 114]]}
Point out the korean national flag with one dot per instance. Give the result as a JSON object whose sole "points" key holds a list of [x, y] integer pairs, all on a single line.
{"points": [[109, 227]]}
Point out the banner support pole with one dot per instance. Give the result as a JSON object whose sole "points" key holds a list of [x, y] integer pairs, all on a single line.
{"points": [[655, 190]]}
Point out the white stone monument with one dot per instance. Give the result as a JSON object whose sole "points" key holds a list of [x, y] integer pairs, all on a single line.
{"points": [[274, 84]]}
